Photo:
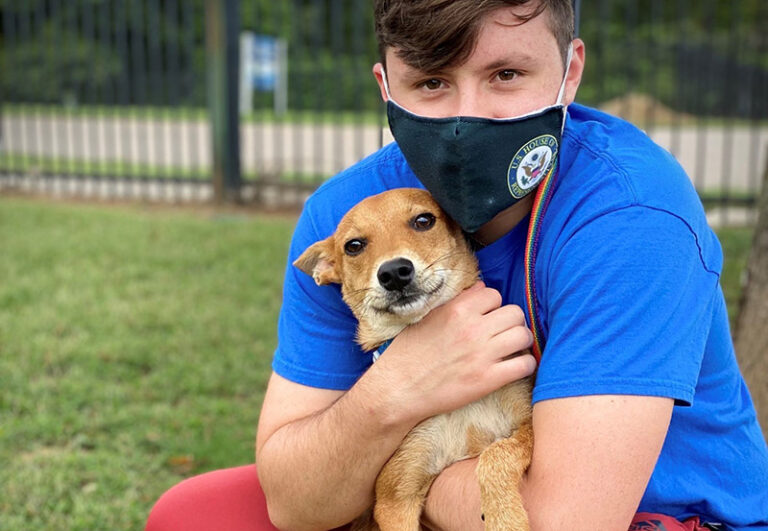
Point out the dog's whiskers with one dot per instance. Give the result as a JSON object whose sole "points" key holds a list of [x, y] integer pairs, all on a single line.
{"points": [[446, 256], [361, 308], [454, 270], [360, 290]]}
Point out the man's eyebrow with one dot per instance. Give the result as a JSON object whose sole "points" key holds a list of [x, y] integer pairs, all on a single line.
{"points": [[413, 74], [513, 60]]}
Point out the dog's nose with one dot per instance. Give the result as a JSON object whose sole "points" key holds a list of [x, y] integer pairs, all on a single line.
{"points": [[395, 274]]}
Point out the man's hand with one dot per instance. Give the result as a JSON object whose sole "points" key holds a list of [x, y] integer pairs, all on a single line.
{"points": [[458, 353]]}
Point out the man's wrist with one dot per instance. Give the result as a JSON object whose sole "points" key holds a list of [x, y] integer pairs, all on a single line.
{"points": [[453, 501], [384, 402]]}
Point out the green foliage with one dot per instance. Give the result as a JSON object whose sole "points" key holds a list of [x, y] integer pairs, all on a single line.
{"points": [[53, 74], [103, 51], [686, 53]]}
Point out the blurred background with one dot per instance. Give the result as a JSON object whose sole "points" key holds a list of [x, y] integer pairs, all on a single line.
{"points": [[153, 156], [118, 99]]}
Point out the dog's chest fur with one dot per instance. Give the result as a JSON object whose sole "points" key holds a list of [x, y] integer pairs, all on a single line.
{"points": [[466, 432]]}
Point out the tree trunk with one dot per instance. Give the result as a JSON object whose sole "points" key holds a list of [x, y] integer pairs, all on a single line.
{"points": [[752, 323]]}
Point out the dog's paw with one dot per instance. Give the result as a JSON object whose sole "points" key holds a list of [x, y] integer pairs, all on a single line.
{"points": [[365, 522]]}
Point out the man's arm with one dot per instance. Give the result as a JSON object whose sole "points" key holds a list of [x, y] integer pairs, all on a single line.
{"points": [[592, 459], [319, 451]]}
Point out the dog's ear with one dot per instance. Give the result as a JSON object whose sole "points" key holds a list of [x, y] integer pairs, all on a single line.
{"points": [[317, 261]]}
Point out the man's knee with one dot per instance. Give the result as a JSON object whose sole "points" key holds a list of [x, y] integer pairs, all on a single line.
{"points": [[179, 507], [224, 499]]}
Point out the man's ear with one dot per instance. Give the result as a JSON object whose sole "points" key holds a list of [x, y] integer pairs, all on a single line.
{"points": [[377, 69], [317, 261], [575, 71]]}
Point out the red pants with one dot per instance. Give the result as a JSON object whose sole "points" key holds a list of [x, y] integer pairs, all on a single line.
{"points": [[232, 500], [226, 500]]}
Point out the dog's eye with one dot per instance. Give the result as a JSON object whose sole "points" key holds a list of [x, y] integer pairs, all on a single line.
{"points": [[354, 247], [423, 221]]}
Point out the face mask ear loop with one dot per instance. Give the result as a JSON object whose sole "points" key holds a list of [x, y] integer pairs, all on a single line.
{"points": [[386, 85], [562, 87], [561, 93]]}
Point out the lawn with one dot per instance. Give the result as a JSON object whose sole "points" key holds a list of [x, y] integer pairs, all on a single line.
{"points": [[135, 345], [134, 351], [33, 165]]}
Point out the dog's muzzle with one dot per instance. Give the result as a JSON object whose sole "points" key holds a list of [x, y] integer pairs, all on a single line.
{"points": [[402, 289]]}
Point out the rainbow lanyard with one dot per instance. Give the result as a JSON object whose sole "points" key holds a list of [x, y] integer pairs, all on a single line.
{"points": [[540, 204]]}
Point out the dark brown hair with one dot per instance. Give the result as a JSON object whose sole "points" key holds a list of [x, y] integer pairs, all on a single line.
{"points": [[432, 34]]}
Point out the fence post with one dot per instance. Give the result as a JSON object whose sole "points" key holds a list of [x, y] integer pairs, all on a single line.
{"points": [[222, 30], [576, 17]]}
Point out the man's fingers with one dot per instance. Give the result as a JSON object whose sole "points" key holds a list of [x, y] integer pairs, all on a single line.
{"points": [[477, 299], [513, 369], [477, 285], [504, 318], [511, 341]]}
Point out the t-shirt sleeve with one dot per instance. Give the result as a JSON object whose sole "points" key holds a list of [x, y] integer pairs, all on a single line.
{"points": [[629, 299], [316, 330]]}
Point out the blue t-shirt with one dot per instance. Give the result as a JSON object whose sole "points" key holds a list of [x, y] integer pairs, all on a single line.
{"points": [[627, 279]]}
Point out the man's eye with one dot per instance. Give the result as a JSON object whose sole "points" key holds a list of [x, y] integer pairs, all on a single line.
{"points": [[508, 75], [432, 84], [354, 247]]}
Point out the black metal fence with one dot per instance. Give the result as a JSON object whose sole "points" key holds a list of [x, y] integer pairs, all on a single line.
{"points": [[142, 98]]}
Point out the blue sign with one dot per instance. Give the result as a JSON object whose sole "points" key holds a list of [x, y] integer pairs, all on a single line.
{"points": [[264, 68], [263, 60]]}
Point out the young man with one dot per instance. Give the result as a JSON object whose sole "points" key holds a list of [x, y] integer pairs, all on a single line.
{"points": [[638, 406]]}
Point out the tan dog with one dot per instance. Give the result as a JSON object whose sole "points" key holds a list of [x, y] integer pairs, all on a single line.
{"points": [[397, 256]]}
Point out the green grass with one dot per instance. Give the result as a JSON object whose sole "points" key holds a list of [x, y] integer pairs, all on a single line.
{"points": [[134, 351], [291, 116], [135, 345], [37, 164], [92, 111], [716, 196]]}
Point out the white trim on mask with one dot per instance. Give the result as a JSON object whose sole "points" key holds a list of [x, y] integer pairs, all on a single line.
{"points": [[558, 102], [568, 58]]}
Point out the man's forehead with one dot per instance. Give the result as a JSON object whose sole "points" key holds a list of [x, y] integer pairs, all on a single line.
{"points": [[514, 15], [508, 57]]}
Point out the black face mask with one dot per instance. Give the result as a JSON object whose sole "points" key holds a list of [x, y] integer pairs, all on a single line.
{"points": [[477, 167]]}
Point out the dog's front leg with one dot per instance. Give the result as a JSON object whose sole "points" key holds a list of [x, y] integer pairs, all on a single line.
{"points": [[499, 470], [402, 486]]}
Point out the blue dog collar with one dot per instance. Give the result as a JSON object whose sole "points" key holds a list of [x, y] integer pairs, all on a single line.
{"points": [[379, 351]]}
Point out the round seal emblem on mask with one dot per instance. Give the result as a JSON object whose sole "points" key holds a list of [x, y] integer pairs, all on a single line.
{"points": [[531, 164]]}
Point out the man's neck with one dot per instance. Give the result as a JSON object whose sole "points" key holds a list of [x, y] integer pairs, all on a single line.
{"points": [[504, 221]]}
